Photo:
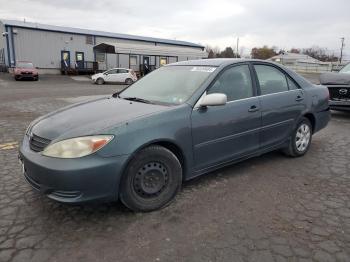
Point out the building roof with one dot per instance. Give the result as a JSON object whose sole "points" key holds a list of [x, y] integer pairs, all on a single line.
{"points": [[125, 48], [73, 30]]}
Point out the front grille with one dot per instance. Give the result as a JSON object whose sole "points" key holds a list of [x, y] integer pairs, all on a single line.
{"points": [[38, 143], [26, 73], [340, 93]]}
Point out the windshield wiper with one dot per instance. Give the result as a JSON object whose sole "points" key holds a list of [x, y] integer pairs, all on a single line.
{"points": [[137, 99]]}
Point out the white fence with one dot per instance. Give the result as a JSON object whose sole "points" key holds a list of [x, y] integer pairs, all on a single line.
{"points": [[312, 67]]}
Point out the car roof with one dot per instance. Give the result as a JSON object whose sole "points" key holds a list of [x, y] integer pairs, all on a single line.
{"points": [[216, 62]]}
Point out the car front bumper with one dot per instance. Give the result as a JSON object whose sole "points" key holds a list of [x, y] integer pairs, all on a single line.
{"points": [[20, 76], [90, 178], [339, 105]]}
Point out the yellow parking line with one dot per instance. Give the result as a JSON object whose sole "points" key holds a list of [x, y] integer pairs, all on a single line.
{"points": [[9, 145]]}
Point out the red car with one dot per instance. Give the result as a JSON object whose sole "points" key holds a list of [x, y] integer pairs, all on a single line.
{"points": [[26, 70]]}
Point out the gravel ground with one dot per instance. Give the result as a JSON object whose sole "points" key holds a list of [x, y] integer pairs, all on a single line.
{"points": [[269, 208]]}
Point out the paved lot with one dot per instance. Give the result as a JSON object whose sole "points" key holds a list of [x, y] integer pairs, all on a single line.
{"points": [[270, 208]]}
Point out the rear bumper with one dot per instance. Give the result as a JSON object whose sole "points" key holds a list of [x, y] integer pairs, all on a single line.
{"points": [[322, 119], [90, 178]]}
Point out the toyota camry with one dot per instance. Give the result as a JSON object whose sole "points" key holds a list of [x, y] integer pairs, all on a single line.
{"points": [[178, 122]]}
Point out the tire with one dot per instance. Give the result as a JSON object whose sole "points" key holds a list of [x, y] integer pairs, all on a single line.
{"points": [[16, 78], [128, 81], [36, 78], [300, 140], [100, 81], [151, 180]]}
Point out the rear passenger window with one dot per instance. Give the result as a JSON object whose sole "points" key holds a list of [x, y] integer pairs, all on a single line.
{"points": [[291, 84], [112, 71], [122, 71], [271, 80], [235, 83]]}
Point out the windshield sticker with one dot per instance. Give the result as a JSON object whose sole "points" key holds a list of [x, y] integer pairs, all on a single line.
{"points": [[205, 69]]}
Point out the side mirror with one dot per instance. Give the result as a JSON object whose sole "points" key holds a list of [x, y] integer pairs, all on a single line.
{"points": [[215, 99]]}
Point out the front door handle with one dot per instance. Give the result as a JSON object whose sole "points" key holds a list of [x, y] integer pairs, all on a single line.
{"points": [[299, 98], [253, 108]]}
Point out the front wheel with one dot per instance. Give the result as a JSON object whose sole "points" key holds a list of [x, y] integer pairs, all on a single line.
{"points": [[128, 81], [151, 180], [100, 81], [300, 139]]}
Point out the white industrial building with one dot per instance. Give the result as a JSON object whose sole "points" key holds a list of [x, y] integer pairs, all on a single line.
{"points": [[53, 48]]}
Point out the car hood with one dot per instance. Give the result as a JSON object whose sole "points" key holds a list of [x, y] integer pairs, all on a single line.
{"points": [[92, 117], [97, 75], [335, 79]]}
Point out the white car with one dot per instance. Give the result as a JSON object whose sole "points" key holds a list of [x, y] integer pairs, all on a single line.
{"points": [[116, 75]]}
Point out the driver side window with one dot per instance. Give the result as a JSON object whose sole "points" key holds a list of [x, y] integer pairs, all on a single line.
{"points": [[235, 83], [112, 71]]}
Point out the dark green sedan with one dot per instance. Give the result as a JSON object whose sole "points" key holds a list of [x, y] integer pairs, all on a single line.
{"points": [[178, 122]]}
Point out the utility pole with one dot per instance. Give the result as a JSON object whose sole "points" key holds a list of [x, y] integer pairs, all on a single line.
{"points": [[237, 47], [341, 49]]}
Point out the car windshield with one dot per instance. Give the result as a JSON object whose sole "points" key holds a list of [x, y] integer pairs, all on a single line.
{"points": [[25, 65], [169, 84], [345, 69]]}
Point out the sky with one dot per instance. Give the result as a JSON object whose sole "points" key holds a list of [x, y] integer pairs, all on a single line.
{"points": [[285, 24]]}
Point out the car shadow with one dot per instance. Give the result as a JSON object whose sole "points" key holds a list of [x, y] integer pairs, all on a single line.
{"points": [[341, 115]]}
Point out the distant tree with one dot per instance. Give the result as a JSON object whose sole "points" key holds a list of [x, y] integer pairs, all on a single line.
{"points": [[227, 53], [211, 54], [263, 52], [294, 51], [321, 54]]}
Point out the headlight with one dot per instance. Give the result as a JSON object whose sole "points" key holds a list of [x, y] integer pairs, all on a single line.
{"points": [[77, 147]]}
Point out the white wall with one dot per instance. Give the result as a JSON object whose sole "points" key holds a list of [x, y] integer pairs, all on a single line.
{"points": [[44, 48]]}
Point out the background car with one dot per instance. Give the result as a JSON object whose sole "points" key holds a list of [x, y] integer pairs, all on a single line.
{"points": [[25, 70], [115, 75], [176, 123], [339, 88]]}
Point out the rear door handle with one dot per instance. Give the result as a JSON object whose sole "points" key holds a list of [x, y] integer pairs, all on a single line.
{"points": [[253, 108], [299, 98]]}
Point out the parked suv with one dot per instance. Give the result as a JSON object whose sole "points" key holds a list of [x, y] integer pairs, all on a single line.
{"points": [[25, 70], [116, 75], [339, 88]]}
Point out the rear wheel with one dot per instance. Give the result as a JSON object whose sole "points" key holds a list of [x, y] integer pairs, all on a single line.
{"points": [[152, 179], [300, 140], [128, 81], [100, 81]]}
